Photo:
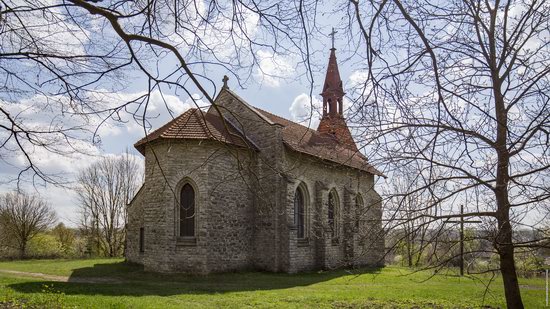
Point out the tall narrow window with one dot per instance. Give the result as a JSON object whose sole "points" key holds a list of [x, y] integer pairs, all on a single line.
{"points": [[141, 239], [299, 217], [358, 210], [332, 208], [187, 211]]}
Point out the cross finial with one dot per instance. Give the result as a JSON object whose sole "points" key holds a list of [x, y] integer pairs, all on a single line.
{"points": [[332, 35], [225, 79]]}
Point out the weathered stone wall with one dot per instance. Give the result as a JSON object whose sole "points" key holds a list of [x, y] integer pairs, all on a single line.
{"points": [[359, 247], [244, 205], [266, 181], [369, 239], [223, 206]]}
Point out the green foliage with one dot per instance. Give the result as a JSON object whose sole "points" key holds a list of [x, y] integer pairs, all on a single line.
{"points": [[528, 265], [44, 246], [66, 237]]}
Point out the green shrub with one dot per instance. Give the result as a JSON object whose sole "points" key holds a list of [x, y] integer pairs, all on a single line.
{"points": [[44, 246]]}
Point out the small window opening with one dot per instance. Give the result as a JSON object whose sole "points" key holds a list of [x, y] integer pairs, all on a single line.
{"points": [[141, 240]]}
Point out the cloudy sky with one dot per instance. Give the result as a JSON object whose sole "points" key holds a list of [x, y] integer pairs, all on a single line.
{"points": [[277, 84]]}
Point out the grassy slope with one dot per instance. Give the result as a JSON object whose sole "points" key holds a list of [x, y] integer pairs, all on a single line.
{"points": [[384, 289]]}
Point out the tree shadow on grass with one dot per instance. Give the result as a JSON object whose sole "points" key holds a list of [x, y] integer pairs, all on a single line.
{"points": [[125, 279]]}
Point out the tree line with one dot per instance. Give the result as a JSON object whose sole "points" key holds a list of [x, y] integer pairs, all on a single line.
{"points": [[29, 226]]}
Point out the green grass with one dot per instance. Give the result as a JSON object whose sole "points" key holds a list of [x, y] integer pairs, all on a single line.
{"points": [[389, 287]]}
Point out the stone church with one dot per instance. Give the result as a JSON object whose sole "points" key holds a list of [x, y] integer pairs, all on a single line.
{"points": [[238, 188]]}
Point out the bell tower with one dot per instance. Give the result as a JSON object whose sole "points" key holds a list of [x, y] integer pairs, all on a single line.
{"points": [[332, 121]]}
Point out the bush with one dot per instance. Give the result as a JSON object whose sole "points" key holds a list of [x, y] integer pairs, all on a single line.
{"points": [[45, 246], [528, 266]]}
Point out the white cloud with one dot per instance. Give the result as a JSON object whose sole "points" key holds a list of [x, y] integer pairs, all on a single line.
{"points": [[63, 154], [51, 29], [306, 111], [161, 108], [196, 101], [62, 198], [273, 68], [358, 78], [214, 33]]}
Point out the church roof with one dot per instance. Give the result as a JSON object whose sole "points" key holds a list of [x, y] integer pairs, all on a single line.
{"points": [[324, 146], [200, 125], [333, 82], [195, 124]]}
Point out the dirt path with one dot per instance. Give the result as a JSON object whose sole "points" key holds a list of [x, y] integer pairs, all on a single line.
{"points": [[61, 278]]}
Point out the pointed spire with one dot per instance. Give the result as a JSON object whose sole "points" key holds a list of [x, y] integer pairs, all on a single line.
{"points": [[333, 121], [333, 93]]}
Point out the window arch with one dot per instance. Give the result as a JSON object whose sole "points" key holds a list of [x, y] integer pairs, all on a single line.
{"points": [[187, 211], [299, 212], [333, 213], [359, 204]]}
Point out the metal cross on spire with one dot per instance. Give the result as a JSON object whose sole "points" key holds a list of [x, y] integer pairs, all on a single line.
{"points": [[332, 35]]}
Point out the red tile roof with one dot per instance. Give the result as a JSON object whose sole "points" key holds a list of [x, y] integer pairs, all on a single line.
{"points": [[195, 124], [324, 146]]}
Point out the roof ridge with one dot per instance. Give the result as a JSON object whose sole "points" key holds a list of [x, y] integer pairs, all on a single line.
{"points": [[294, 122], [204, 126], [252, 108]]}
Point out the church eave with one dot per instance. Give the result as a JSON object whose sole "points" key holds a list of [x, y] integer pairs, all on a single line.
{"points": [[141, 146], [367, 169]]}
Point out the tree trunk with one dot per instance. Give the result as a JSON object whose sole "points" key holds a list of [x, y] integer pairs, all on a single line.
{"points": [[507, 264], [23, 250], [504, 245], [510, 278]]}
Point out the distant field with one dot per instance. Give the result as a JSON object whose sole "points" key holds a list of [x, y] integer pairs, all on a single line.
{"points": [[111, 283]]}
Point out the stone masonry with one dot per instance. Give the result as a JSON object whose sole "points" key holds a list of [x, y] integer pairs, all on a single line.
{"points": [[245, 166]]}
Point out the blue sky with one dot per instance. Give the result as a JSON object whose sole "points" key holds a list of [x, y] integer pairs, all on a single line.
{"points": [[277, 84], [274, 81]]}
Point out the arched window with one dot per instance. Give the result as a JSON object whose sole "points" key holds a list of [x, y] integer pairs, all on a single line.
{"points": [[187, 211], [332, 213], [358, 210], [299, 212]]}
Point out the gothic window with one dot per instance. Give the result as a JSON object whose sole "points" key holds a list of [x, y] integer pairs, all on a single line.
{"points": [[332, 213], [187, 211], [299, 212], [358, 210]]}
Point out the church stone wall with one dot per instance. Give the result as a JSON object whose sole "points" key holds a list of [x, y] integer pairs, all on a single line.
{"points": [[267, 184], [363, 246], [245, 209], [222, 241], [228, 229]]}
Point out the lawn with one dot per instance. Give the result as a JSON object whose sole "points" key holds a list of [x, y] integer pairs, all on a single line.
{"points": [[115, 284]]}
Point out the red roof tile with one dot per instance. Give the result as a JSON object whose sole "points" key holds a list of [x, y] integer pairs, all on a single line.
{"points": [[321, 145], [196, 124]]}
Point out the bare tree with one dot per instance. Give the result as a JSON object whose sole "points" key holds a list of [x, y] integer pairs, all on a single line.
{"points": [[22, 217], [462, 87], [71, 58], [408, 215], [105, 189]]}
